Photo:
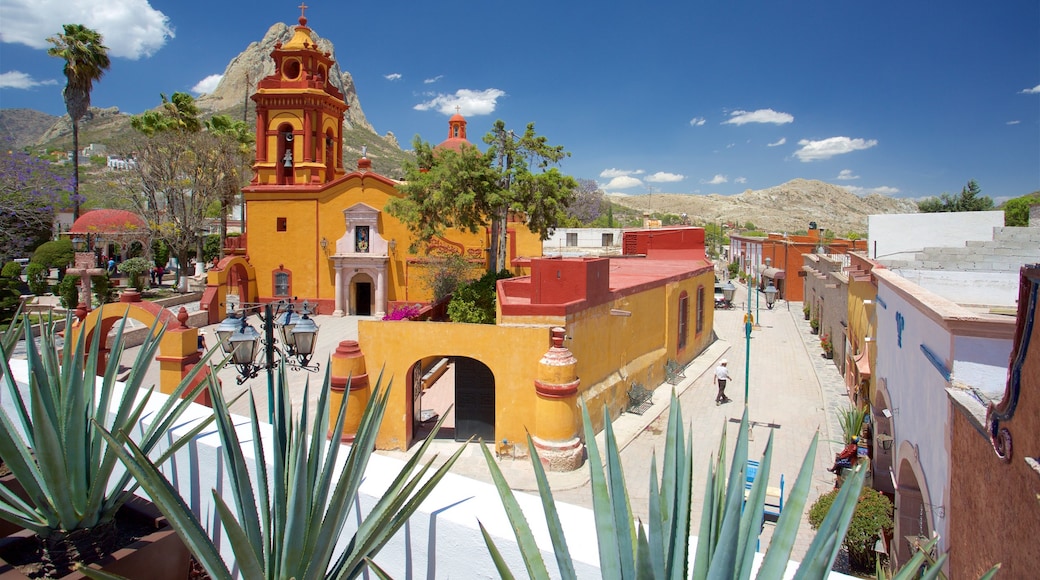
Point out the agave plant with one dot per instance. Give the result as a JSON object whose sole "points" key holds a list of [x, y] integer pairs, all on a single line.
{"points": [[730, 522], [288, 526], [50, 444], [851, 421]]}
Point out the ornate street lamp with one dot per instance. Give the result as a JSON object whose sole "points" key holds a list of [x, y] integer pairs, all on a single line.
{"points": [[728, 290], [243, 343], [770, 293]]}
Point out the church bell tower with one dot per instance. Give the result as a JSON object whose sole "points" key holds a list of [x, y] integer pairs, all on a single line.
{"points": [[299, 116]]}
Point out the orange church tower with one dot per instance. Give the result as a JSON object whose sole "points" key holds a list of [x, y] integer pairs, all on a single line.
{"points": [[299, 116]]}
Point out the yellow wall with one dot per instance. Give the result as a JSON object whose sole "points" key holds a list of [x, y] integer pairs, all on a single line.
{"points": [[861, 322], [315, 214], [512, 354], [612, 352]]}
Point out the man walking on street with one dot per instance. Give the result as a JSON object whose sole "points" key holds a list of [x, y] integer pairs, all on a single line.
{"points": [[721, 377]]}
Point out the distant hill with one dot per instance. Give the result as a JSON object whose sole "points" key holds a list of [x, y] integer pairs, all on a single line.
{"points": [[109, 126], [783, 208]]}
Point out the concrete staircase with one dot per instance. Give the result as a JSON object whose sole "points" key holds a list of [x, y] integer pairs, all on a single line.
{"points": [[1009, 250]]}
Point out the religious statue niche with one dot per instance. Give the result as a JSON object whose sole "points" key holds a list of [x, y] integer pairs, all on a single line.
{"points": [[361, 239]]}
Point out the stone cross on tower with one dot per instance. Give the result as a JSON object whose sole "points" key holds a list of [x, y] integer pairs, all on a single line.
{"points": [[86, 270]]}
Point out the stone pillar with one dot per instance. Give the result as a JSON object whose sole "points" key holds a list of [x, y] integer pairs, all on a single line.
{"points": [[347, 365], [178, 354], [381, 291], [340, 310], [557, 419]]}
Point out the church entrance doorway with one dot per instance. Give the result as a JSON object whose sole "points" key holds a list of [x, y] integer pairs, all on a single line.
{"points": [[363, 298]]}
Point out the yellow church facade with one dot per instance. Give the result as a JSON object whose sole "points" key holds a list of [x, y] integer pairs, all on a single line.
{"points": [[569, 331], [318, 232]]}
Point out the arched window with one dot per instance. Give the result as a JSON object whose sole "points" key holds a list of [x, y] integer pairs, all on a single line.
{"points": [[684, 319], [282, 282], [700, 309]]}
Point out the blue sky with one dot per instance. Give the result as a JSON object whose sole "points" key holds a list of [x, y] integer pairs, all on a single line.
{"points": [[909, 99]]}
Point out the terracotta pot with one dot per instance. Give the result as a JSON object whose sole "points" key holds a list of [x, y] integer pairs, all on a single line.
{"points": [[159, 555]]}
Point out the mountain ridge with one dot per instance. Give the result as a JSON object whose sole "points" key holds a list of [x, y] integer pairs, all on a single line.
{"points": [[802, 201]]}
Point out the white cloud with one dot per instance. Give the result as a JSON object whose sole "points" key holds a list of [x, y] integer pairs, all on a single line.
{"points": [[662, 177], [469, 102], [718, 179], [740, 180], [623, 182], [846, 174], [614, 172], [433, 80], [697, 121], [393, 77], [881, 189], [1033, 91], [777, 143], [19, 80], [1015, 122], [131, 28], [759, 116], [207, 85], [827, 148]]}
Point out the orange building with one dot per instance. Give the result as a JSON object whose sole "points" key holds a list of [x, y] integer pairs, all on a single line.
{"points": [[777, 258]]}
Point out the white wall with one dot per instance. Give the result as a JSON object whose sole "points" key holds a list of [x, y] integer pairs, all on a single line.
{"points": [[964, 287], [588, 239], [442, 539], [918, 393], [898, 236]]}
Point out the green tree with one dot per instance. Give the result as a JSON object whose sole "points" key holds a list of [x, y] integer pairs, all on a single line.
{"points": [[236, 170], [1016, 211], [969, 199], [474, 302], [467, 189], [54, 254], [86, 60], [180, 172]]}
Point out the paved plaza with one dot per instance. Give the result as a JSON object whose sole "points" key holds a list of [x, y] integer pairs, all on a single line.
{"points": [[792, 392]]}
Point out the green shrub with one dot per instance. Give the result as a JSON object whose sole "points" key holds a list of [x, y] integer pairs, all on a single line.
{"points": [[103, 290], [475, 302], [873, 513], [54, 254], [10, 298], [734, 269], [135, 268], [68, 292], [11, 270], [36, 277]]}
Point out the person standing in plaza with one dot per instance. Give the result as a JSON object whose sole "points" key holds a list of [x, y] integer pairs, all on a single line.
{"points": [[721, 378]]}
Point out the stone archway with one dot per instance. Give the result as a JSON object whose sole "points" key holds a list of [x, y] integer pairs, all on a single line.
{"points": [[233, 275], [178, 347], [884, 441], [460, 388], [913, 510]]}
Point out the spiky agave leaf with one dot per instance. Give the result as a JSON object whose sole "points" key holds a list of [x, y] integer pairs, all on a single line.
{"points": [[290, 527], [51, 445]]}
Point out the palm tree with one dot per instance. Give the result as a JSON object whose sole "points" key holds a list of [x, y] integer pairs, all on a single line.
{"points": [[86, 59]]}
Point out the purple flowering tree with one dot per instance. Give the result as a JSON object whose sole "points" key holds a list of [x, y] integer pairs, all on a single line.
{"points": [[587, 203], [30, 190]]}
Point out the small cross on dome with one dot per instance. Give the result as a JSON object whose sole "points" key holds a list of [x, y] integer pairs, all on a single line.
{"points": [[303, 13]]}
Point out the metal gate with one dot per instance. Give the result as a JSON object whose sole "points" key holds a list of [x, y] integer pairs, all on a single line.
{"points": [[474, 400]]}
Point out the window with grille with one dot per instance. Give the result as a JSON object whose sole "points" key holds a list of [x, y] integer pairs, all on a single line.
{"points": [[572, 239], [684, 319], [700, 309], [281, 284]]}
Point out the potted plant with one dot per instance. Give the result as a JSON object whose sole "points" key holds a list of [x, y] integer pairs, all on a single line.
{"points": [[806, 310], [74, 495], [827, 345], [291, 526], [814, 324], [134, 268]]}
